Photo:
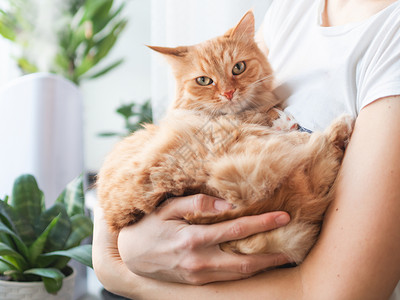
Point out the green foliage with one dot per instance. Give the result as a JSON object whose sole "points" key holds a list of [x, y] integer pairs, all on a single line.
{"points": [[36, 244], [91, 29], [134, 117]]}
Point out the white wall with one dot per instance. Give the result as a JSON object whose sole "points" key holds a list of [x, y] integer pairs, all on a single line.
{"points": [[130, 81]]}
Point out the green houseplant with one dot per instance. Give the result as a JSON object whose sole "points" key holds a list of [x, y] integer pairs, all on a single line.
{"points": [[85, 32], [36, 243], [134, 115]]}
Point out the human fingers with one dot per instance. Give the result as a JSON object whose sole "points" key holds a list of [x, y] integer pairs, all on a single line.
{"points": [[242, 227], [177, 208], [105, 253], [101, 235]]}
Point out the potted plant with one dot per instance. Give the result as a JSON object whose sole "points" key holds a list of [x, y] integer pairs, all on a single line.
{"points": [[66, 47], [76, 38], [36, 243]]}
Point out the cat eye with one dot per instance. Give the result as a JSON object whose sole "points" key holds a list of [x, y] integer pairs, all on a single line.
{"points": [[239, 68], [204, 80]]}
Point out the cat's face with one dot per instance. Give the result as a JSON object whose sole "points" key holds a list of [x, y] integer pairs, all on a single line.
{"points": [[224, 75]]}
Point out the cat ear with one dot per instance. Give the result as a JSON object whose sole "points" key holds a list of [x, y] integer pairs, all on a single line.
{"points": [[244, 29], [177, 52]]}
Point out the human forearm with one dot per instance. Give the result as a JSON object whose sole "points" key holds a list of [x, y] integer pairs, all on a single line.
{"points": [[270, 285], [358, 253]]}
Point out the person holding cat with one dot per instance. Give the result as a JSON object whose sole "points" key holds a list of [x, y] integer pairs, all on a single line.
{"points": [[329, 57]]}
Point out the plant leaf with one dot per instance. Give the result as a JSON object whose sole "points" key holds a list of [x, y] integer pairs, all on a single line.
{"points": [[7, 250], [5, 215], [108, 134], [51, 285], [105, 44], [27, 198], [106, 69], [61, 231], [82, 227], [100, 24], [91, 8], [6, 30], [7, 265], [52, 278], [83, 254], [73, 197], [23, 250], [37, 247], [26, 66]]}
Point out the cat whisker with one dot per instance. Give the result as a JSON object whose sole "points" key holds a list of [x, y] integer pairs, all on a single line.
{"points": [[261, 80]]}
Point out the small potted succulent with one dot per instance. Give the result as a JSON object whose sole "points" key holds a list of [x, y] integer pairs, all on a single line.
{"points": [[36, 243]]}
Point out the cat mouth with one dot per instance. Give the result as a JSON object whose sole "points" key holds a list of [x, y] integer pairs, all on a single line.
{"points": [[235, 106]]}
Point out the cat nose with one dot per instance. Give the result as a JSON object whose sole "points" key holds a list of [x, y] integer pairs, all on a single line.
{"points": [[229, 94]]}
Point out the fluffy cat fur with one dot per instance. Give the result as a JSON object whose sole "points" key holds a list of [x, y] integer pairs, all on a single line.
{"points": [[211, 144]]}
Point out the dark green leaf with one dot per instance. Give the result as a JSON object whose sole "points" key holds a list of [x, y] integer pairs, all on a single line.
{"points": [[59, 261], [52, 278], [83, 254], [82, 227], [61, 231], [126, 110], [108, 134], [38, 246], [7, 250], [73, 197], [5, 215], [51, 285], [102, 13], [27, 198], [100, 24], [92, 7], [146, 113], [23, 250]]}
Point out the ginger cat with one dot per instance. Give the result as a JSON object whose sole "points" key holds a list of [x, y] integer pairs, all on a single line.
{"points": [[217, 140]]}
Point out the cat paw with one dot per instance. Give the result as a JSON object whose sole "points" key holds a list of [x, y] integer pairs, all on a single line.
{"points": [[284, 121], [340, 130]]}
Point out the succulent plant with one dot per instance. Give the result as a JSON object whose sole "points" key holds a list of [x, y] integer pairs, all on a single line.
{"points": [[36, 244]]}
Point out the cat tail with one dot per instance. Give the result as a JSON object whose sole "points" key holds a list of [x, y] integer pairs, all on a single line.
{"points": [[293, 240]]}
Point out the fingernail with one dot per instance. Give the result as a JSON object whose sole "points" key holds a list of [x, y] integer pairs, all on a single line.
{"points": [[221, 205], [282, 219]]}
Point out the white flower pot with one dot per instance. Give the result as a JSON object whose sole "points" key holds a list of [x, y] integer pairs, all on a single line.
{"points": [[41, 132], [12, 290]]}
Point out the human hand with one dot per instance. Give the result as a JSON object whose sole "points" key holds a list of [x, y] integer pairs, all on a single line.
{"points": [[107, 264], [165, 247]]}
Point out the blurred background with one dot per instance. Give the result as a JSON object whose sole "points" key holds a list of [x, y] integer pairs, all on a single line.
{"points": [[75, 77]]}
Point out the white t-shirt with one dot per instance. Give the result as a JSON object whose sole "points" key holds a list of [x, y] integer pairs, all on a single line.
{"points": [[324, 72]]}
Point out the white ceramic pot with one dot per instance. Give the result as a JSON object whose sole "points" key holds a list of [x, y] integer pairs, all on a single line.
{"points": [[12, 290], [41, 132]]}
